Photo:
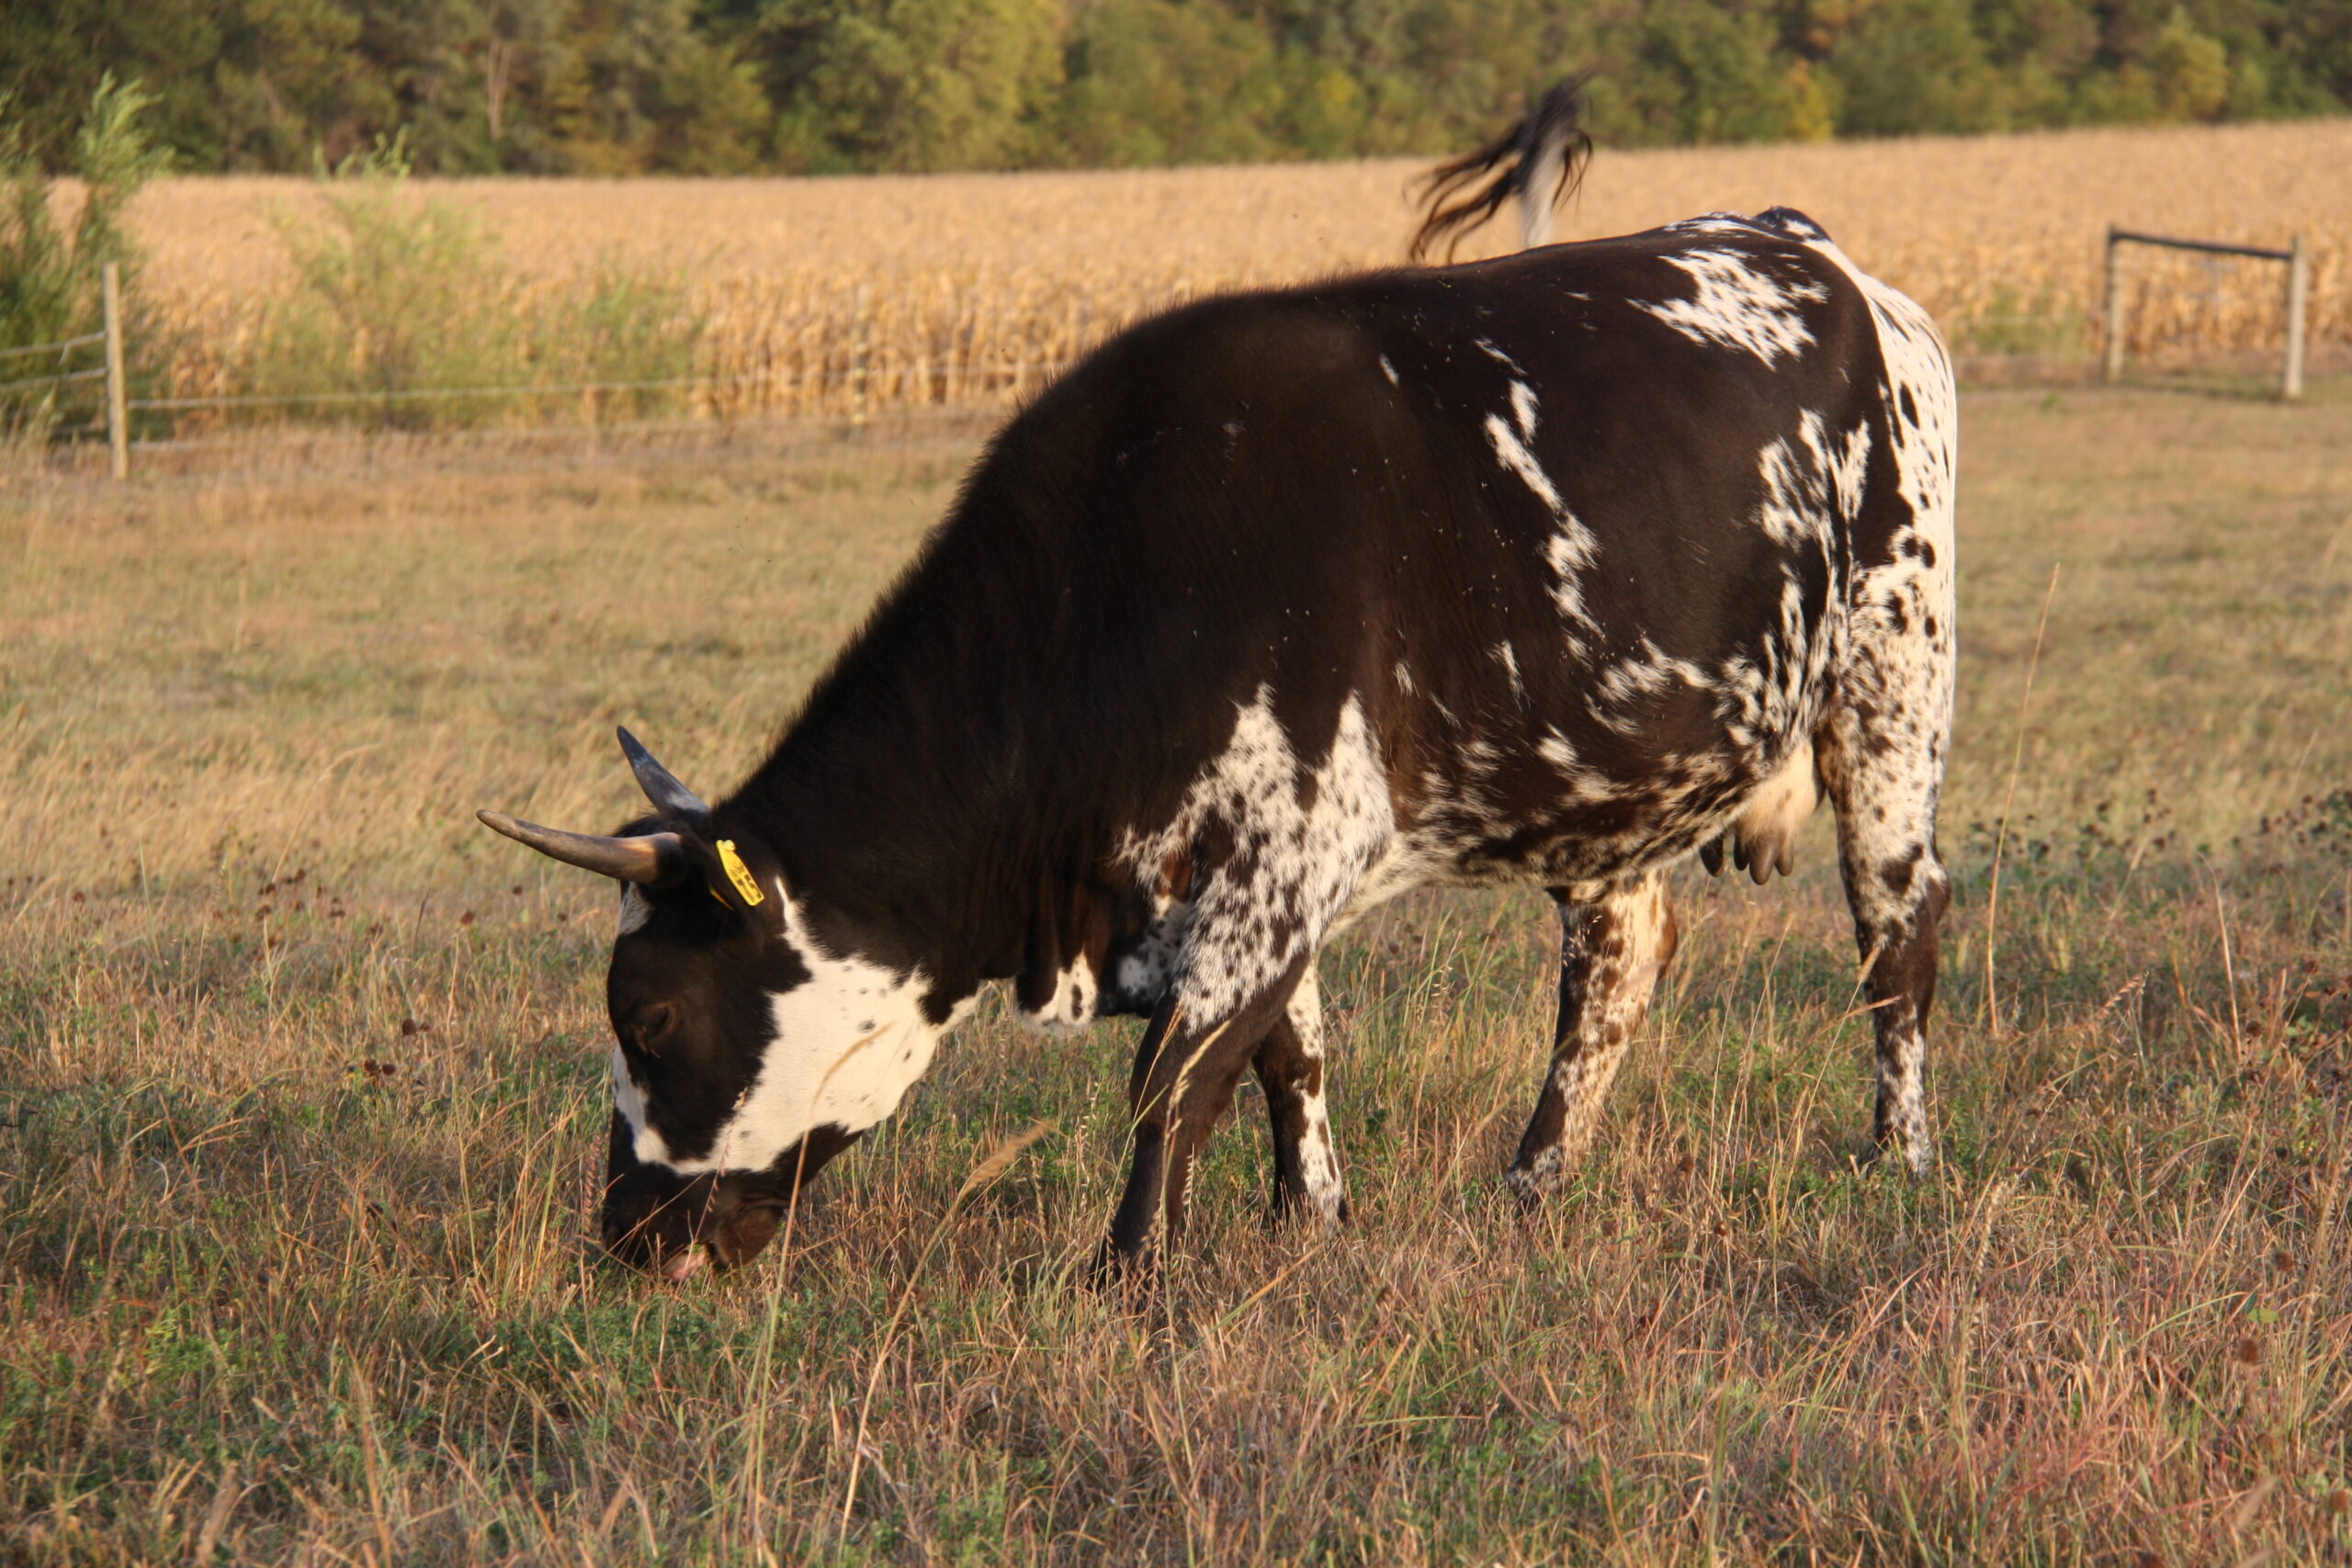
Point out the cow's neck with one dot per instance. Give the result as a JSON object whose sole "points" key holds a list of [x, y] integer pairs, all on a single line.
{"points": [[911, 876], [913, 800]]}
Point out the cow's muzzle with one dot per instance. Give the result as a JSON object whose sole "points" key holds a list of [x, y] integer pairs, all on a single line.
{"points": [[663, 1222]]}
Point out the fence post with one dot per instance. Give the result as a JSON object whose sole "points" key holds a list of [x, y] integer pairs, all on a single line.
{"points": [[859, 345], [118, 421], [2111, 364], [2299, 280]]}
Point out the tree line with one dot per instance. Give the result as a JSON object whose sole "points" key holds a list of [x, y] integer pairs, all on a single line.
{"points": [[729, 86]]}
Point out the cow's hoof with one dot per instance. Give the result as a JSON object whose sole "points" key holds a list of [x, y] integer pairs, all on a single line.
{"points": [[1917, 1160], [1529, 1185], [1132, 1278], [1289, 1208]]}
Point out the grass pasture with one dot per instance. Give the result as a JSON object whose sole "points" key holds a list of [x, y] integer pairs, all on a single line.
{"points": [[301, 1093]]}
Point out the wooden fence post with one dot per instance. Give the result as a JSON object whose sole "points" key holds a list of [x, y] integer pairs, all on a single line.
{"points": [[859, 346], [2111, 364], [117, 420], [2299, 279]]}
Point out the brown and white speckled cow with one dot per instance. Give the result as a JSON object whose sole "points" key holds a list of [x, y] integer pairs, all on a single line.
{"points": [[1550, 570]]}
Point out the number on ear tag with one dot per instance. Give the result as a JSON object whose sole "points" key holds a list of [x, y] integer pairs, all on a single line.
{"points": [[741, 874]]}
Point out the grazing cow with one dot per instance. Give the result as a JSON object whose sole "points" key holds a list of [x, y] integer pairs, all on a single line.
{"points": [[1552, 570]]}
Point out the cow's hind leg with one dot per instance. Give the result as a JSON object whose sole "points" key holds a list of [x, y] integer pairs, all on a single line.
{"points": [[1611, 953], [1290, 1066], [1885, 787]]}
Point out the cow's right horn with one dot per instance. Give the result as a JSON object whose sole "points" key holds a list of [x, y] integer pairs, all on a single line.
{"points": [[647, 858]]}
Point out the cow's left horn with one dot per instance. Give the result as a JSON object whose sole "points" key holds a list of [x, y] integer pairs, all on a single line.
{"points": [[648, 858], [660, 785]]}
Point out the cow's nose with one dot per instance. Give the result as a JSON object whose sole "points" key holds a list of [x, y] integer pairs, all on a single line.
{"points": [[631, 1239]]}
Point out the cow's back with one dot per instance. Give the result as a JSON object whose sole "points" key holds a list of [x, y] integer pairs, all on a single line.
{"points": [[1570, 529]]}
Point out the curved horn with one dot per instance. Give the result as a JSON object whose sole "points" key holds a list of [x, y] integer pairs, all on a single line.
{"points": [[653, 857], [660, 785]]}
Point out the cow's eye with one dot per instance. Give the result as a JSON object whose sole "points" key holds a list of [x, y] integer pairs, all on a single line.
{"points": [[651, 1024]]}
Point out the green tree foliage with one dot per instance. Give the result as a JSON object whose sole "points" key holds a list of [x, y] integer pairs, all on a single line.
{"points": [[1917, 65], [1171, 82], [546, 86], [905, 85], [627, 86], [1699, 72]]}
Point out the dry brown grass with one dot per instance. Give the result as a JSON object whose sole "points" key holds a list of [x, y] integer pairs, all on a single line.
{"points": [[301, 1102], [970, 282]]}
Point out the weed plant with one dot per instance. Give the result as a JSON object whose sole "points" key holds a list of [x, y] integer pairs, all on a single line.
{"points": [[403, 313], [51, 273]]}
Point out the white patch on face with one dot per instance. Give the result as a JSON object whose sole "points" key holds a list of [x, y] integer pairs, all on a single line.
{"points": [[849, 1041], [1522, 408], [1292, 868], [1735, 306], [1389, 370], [1404, 678], [630, 1100], [636, 909]]}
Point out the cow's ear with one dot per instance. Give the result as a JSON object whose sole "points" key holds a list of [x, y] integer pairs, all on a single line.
{"points": [[737, 873]]}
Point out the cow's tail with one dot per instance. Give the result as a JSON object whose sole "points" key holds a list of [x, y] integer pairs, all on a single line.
{"points": [[1540, 161]]}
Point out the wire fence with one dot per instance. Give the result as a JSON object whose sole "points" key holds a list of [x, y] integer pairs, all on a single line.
{"points": [[1010, 376], [63, 348], [96, 373], [429, 394], [858, 393], [901, 378], [853, 397]]}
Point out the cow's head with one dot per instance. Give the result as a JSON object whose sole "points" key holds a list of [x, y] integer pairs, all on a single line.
{"points": [[749, 1050]]}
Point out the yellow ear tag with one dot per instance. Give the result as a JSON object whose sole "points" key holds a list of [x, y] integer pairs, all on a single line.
{"points": [[740, 875]]}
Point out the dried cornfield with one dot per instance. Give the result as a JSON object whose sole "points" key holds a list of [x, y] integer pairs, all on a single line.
{"points": [[822, 296]]}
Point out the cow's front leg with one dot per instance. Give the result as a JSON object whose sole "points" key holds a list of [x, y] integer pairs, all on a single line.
{"points": [[1611, 953], [1290, 1066], [1185, 1071]]}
